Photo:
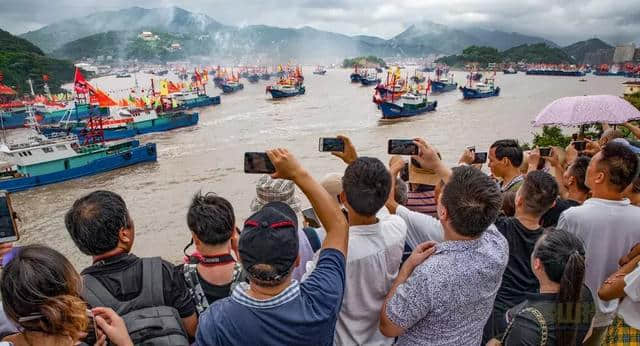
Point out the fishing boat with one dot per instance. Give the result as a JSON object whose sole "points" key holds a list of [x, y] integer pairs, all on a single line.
{"points": [[77, 111], [42, 161], [475, 76], [123, 74], [161, 72], [320, 70], [193, 99], [408, 105], [253, 78], [265, 75], [418, 78], [378, 69], [480, 90], [443, 85], [355, 76], [510, 70], [555, 70], [231, 86], [9, 120], [369, 79], [288, 87]]}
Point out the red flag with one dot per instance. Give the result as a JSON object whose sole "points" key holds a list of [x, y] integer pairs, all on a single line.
{"points": [[81, 85], [198, 76], [45, 77]]}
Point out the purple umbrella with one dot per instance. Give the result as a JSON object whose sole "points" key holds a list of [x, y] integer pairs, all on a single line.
{"points": [[580, 110]]}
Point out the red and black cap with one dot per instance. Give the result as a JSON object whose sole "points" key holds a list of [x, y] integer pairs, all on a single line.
{"points": [[270, 237]]}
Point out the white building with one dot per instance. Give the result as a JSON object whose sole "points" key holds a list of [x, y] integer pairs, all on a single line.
{"points": [[148, 36]]}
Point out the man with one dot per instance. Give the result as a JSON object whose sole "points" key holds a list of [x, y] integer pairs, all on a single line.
{"points": [[375, 249], [573, 185], [100, 226], [444, 292], [536, 195], [212, 270], [505, 158], [273, 309], [607, 223]]}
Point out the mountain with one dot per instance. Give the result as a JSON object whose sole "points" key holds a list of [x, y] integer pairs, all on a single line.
{"points": [[136, 19], [579, 50], [21, 60], [537, 53], [505, 40]]}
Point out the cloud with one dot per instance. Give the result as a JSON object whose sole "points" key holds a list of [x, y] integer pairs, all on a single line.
{"points": [[561, 21]]}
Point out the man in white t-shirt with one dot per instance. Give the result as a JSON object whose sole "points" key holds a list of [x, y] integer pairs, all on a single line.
{"points": [[375, 250], [607, 223]]}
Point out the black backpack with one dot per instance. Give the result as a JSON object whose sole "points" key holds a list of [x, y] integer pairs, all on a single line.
{"points": [[149, 321]]}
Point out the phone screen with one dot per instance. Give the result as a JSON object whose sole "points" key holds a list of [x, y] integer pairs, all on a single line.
{"points": [[8, 230], [580, 145], [545, 152], [480, 157], [402, 147], [331, 144], [258, 163], [311, 217]]}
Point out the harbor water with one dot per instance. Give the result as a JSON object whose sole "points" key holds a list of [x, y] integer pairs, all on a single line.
{"points": [[209, 156]]}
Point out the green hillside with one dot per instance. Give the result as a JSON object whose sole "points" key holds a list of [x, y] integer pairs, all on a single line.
{"points": [[528, 53]]}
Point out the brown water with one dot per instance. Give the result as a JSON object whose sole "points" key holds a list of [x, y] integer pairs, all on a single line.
{"points": [[209, 156]]}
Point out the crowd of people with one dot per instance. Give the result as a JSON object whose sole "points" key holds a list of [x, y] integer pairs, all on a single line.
{"points": [[544, 250]]}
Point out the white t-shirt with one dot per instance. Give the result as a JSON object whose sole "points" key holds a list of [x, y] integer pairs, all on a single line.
{"points": [[608, 229], [420, 227], [629, 309], [373, 261]]}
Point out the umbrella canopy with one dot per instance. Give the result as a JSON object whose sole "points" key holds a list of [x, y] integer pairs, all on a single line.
{"points": [[581, 110]]}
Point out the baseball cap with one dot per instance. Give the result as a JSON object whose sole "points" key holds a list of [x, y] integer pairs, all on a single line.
{"points": [[270, 237]]}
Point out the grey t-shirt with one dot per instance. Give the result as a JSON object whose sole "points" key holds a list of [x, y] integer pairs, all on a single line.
{"points": [[448, 298], [609, 229]]}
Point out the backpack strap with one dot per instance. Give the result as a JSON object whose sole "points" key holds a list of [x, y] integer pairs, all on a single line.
{"points": [[542, 323], [152, 292], [190, 272], [97, 295]]}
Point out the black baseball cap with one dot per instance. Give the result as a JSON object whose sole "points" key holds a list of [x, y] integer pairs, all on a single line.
{"points": [[270, 237]]}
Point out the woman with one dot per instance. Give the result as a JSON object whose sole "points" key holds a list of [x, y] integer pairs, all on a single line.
{"points": [[561, 313], [41, 295], [625, 285]]}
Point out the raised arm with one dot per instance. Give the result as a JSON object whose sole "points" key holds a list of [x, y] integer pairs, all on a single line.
{"points": [[326, 207], [633, 128]]}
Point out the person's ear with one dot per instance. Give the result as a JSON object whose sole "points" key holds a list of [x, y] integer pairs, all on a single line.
{"points": [[600, 178], [125, 236], [519, 199], [343, 197], [536, 264], [196, 241]]}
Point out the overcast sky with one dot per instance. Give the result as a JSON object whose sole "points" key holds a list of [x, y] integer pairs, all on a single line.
{"points": [[564, 21]]}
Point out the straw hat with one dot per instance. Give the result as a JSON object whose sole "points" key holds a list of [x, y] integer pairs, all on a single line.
{"points": [[422, 176], [332, 182], [275, 190]]}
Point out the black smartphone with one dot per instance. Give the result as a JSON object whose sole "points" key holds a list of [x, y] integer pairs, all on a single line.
{"points": [[402, 147], [545, 152], [331, 144], [580, 145], [479, 157], [8, 229], [311, 217], [258, 163]]}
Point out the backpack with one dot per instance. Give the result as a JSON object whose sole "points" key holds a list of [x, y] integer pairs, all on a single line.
{"points": [[190, 272], [149, 321]]}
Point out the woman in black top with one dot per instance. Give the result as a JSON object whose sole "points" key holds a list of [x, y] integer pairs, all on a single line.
{"points": [[561, 313]]}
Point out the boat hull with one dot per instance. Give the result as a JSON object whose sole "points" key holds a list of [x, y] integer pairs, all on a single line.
{"points": [[201, 101], [440, 87], [393, 111], [227, 89], [277, 94], [556, 73], [12, 120], [509, 72], [368, 82], [253, 78], [135, 155], [355, 77], [468, 93]]}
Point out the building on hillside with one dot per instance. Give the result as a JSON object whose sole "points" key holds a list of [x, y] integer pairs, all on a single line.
{"points": [[599, 57], [624, 53], [175, 46], [148, 36]]}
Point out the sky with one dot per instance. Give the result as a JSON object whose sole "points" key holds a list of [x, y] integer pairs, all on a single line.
{"points": [[563, 22]]}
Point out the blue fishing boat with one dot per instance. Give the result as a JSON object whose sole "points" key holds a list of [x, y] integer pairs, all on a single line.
{"points": [[229, 87], [356, 75], [481, 90], [218, 81], [408, 105], [369, 79], [11, 120], [77, 112], [443, 85], [43, 161], [193, 99], [556, 72], [279, 91], [509, 70], [253, 78], [265, 76]]}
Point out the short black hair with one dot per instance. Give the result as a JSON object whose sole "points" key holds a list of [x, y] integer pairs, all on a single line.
{"points": [[636, 185], [401, 193], [95, 220], [539, 190], [366, 183], [578, 170], [510, 149], [472, 200], [621, 163], [211, 218]]}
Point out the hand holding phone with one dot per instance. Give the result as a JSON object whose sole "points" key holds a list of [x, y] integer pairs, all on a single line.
{"points": [[545, 152], [331, 145], [479, 158], [311, 217], [258, 163], [579, 145], [402, 147]]}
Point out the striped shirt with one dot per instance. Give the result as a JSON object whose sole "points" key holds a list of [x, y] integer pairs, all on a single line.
{"points": [[423, 200]]}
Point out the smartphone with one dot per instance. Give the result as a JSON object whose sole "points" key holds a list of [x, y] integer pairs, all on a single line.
{"points": [[545, 152], [311, 217], [479, 157], [580, 145], [331, 144], [258, 163], [8, 229], [92, 328], [402, 147]]}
